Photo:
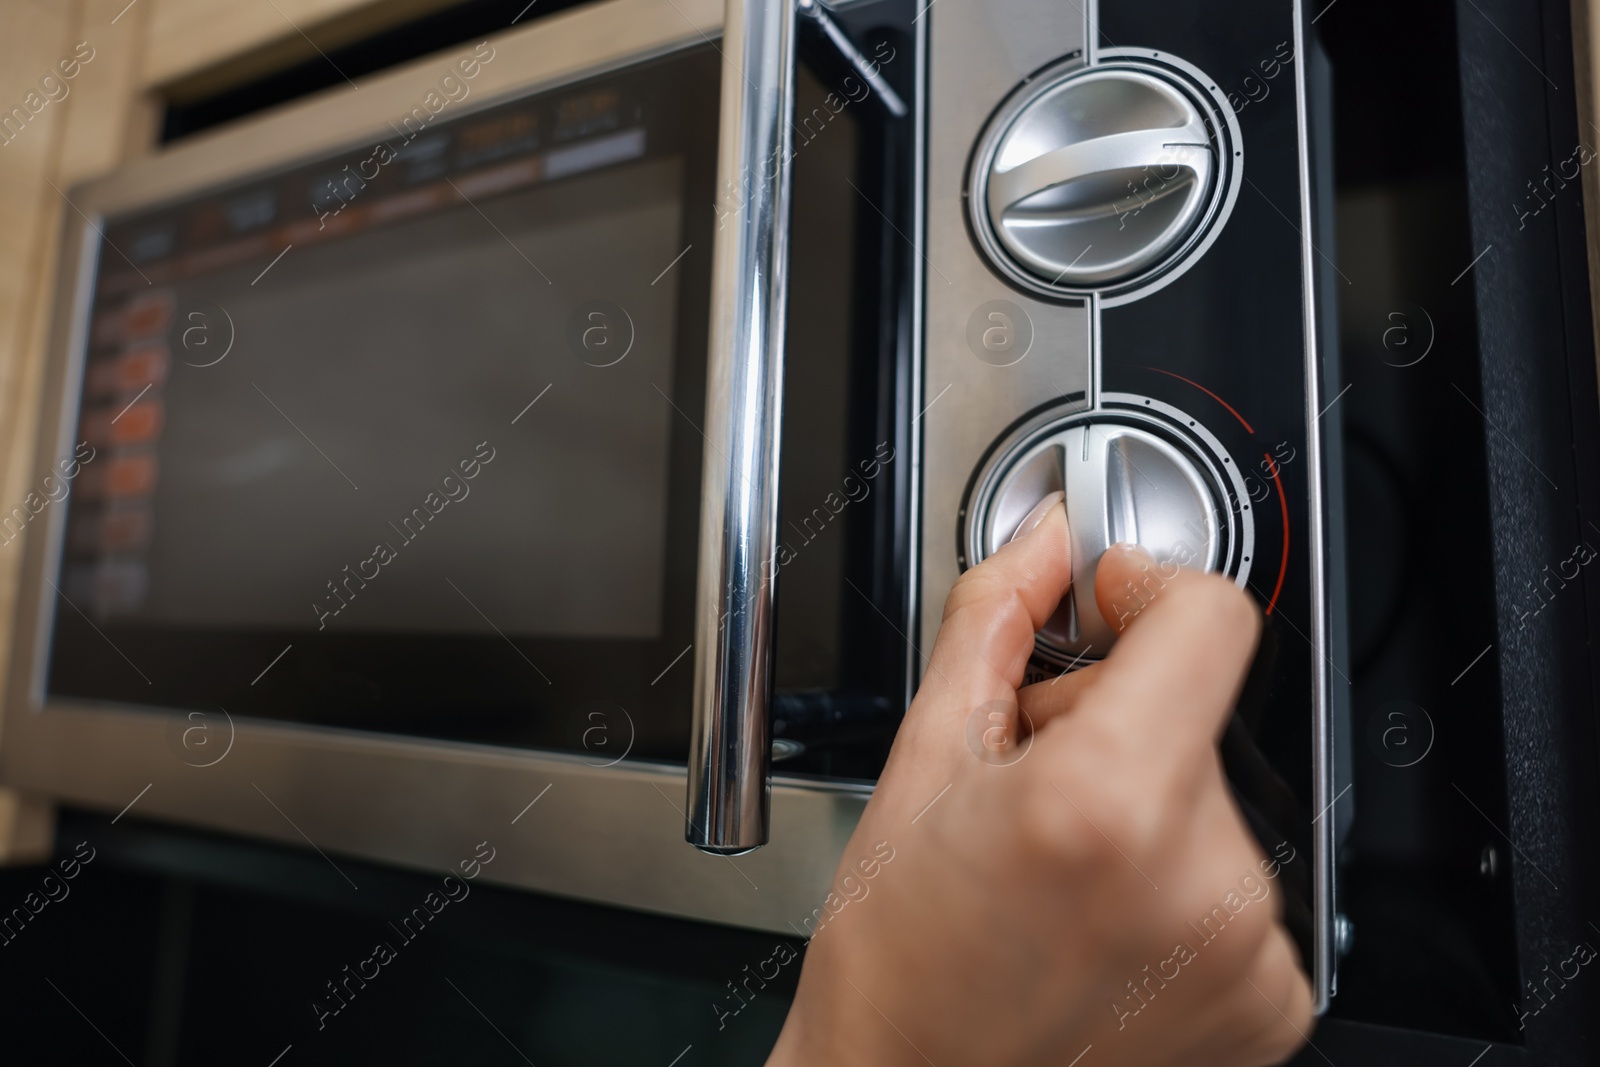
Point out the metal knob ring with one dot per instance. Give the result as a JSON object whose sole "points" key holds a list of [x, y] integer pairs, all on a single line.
{"points": [[1130, 474], [1091, 179]]}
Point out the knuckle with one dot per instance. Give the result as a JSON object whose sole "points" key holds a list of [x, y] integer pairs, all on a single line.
{"points": [[1136, 824], [1095, 825], [1051, 828], [986, 598], [969, 589]]}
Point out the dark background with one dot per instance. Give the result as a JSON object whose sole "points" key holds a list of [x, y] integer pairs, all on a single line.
{"points": [[185, 948]]}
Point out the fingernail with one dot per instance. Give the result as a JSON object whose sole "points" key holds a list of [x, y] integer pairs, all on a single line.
{"points": [[1036, 516]]}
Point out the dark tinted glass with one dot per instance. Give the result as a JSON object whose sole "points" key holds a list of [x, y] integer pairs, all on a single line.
{"points": [[420, 418]]}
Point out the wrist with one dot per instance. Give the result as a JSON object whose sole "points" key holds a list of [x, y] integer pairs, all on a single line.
{"points": [[805, 1042], [831, 1022], [788, 1051]]}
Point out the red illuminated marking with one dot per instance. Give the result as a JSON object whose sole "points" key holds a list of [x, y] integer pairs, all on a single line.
{"points": [[1283, 562], [1283, 502], [1209, 393]]}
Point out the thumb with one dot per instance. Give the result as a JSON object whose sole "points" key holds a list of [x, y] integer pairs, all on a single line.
{"points": [[1186, 637]]}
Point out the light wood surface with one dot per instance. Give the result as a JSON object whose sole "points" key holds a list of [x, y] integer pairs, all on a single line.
{"points": [[198, 47], [47, 148], [190, 35]]}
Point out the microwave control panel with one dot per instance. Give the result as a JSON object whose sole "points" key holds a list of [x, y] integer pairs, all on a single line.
{"points": [[1122, 293]]}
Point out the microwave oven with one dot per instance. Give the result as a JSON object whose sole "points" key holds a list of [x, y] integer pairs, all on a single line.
{"points": [[570, 437]]}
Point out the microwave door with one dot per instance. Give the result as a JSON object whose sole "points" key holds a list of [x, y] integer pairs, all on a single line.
{"points": [[394, 491]]}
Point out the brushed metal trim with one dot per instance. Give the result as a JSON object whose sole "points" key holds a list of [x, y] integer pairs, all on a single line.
{"points": [[1097, 365], [1322, 777], [919, 361], [977, 55], [730, 746], [82, 254], [616, 838], [612, 835]]}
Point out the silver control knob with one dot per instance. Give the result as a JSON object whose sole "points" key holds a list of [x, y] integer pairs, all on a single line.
{"points": [[1093, 176], [1124, 481]]}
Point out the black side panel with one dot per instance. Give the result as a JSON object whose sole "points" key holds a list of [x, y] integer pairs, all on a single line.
{"points": [[1539, 401], [1427, 882]]}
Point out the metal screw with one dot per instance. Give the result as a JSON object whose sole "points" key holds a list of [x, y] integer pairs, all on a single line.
{"points": [[1488, 862]]}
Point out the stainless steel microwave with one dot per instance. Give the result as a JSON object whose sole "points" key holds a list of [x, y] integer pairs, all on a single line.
{"points": [[568, 439]]}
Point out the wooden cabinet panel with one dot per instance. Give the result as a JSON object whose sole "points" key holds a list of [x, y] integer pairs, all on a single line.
{"points": [[190, 35], [67, 129], [36, 36], [198, 47]]}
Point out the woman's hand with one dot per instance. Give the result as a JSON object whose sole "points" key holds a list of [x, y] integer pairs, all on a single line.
{"points": [[1087, 890]]}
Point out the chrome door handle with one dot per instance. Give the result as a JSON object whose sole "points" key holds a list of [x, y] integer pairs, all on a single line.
{"points": [[730, 743]]}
